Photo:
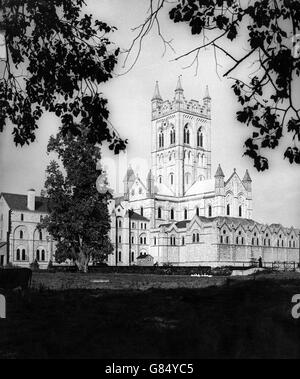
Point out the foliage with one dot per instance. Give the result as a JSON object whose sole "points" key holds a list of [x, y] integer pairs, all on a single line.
{"points": [[268, 94], [268, 97], [78, 215], [34, 265], [57, 57]]}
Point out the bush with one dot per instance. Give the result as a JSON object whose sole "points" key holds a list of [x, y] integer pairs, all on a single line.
{"points": [[34, 265], [221, 271]]}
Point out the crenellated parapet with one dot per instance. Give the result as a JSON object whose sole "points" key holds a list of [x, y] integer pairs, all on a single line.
{"points": [[161, 108]]}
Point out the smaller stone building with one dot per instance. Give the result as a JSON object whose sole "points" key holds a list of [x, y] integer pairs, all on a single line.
{"points": [[21, 242]]}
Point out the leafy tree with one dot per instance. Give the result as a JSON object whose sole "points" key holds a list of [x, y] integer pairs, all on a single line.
{"points": [[78, 215], [268, 96], [57, 57]]}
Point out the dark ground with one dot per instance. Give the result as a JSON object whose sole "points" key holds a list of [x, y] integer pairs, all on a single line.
{"points": [[246, 319]]}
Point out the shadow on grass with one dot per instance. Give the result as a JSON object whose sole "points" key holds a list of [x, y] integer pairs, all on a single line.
{"points": [[243, 320]]}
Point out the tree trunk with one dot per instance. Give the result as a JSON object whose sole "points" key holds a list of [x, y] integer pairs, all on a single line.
{"points": [[82, 262]]}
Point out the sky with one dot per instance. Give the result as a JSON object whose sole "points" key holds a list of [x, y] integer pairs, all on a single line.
{"points": [[276, 192]]}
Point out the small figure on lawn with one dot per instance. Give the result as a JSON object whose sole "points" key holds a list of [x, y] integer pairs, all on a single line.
{"points": [[260, 262]]}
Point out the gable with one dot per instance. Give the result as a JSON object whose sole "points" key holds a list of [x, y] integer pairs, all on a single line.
{"points": [[138, 190], [235, 185]]}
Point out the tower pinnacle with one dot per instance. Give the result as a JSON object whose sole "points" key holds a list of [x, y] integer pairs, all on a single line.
{"points": [[207, 96], [219, 172], [156, 95], [179, 85]]}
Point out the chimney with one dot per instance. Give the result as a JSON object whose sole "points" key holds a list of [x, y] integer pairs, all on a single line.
{"points": [[31, 199]]}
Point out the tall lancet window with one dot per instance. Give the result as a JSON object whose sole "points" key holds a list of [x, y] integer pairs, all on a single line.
{"points": [[172, 136], [199, 138], [186, 135], [228, 210], [240, 211], [161, 139]]}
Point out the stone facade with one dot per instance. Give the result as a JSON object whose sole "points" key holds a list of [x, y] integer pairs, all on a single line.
{"points": [[22, 242], [192, 218]]}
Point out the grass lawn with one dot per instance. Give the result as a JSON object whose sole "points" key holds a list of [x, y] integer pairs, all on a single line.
{"points": [[245, 319]]}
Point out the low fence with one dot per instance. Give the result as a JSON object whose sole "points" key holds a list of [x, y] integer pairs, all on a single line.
{"points": [[225, 269]]}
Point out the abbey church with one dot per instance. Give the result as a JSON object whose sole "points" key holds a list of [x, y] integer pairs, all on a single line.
{"points": [[184, 214]]}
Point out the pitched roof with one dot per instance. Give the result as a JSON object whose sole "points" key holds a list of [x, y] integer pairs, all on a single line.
{"points": [[219, 172], [247, 177], [201, 187], [119, 199], [18, 202], [2, 244], [178, 224], [136, 216]]}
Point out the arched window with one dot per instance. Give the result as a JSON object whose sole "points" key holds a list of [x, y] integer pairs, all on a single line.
{"points": [[22, 217], [209, 211], [186, 135], [172, 214], [197, 211], [221, 239], [171, 179], [145, 241], [199, 138], [132, 256], [198, 237], [187, 178], [132, 239], [228, 209], [240, 211], [41, 235], [120, 239], [142, 211], [38, 257], [161, 139], [120, 224], [185, 214], [120, 256], [194, 237], [182, 241], [160, 179], [159, 213], [237, 240], [18, 257], [173, 241], [21, 234], [23, 255], [172, 136], [227, 239]]}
